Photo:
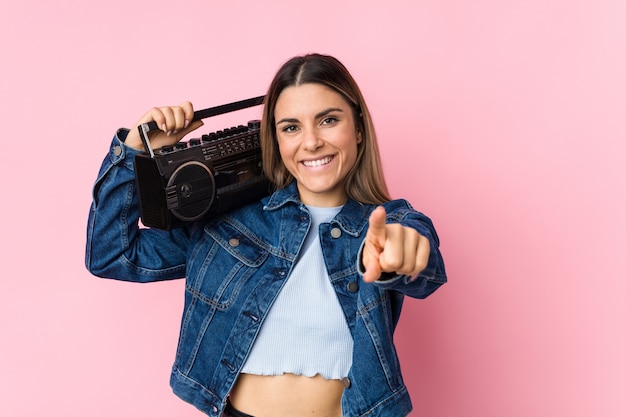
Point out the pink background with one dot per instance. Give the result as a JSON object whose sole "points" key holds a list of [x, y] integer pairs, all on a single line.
{"points": [[505, 121]]}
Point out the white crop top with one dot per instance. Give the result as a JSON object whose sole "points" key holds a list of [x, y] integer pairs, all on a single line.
{"points": [[305, 331]]}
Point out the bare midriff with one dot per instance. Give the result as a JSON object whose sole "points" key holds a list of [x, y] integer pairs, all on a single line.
{"points": [[287, 395]]}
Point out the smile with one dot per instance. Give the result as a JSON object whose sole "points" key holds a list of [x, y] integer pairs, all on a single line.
{"points": [[318, 162]]}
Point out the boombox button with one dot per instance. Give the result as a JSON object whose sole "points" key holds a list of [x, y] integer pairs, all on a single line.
{"points": [[207, 138]]}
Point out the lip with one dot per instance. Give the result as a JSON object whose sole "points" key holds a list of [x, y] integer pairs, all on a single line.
{"points": [[318, 162]]}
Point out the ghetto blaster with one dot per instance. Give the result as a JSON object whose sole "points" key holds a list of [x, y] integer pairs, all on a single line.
{"points": [[201, 177]]}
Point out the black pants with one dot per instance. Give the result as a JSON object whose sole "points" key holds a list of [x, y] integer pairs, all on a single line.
{"points": [[231, 411]]}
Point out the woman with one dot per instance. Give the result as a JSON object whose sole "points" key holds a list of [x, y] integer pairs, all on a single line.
{"points": [[290, 302]]}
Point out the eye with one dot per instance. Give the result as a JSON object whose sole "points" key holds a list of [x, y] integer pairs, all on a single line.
{"points": [[289, 128], [330, 120]]}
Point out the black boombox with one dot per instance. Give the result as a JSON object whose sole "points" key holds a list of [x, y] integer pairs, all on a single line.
{"points": [[203, 176]]}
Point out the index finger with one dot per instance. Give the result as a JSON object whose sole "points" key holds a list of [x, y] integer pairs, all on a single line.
{"points": [[377, 230]]}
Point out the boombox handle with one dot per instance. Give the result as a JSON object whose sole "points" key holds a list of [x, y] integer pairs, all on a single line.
{"points": [[144, 128]]}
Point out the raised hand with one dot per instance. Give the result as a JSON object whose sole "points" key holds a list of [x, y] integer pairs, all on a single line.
{"points": [[392, 248], [174, 123]]}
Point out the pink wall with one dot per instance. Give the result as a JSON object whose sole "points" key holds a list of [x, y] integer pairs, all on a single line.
{"points": [[505, 121]]}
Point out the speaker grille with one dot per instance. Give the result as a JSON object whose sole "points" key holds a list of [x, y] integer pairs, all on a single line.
{"points": [[190, 191]]}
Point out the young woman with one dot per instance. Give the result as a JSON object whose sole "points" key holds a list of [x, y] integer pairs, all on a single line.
{"points": [[291, 302]]}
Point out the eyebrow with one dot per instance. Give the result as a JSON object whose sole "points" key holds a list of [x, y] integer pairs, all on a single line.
{"points": [[317, 116]]}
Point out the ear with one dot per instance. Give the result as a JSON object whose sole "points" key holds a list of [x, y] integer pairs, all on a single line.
{"points": [[359, 137]]}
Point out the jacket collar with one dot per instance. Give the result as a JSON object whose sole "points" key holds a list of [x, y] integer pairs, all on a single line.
{"points": [[280, 197], [352, 218]]}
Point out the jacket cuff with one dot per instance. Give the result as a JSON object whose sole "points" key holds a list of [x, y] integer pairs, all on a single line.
{"points": [[119, 153]]}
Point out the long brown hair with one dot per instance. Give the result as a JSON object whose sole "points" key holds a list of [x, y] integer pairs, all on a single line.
{"points": [[365, 182]]}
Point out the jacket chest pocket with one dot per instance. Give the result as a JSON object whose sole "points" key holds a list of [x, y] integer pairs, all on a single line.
{"points": [[230, 258]]}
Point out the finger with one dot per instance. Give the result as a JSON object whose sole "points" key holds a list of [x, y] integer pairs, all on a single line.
{"points": [[168, 122], [188, 111], [411, 247], [193, 126], [183, 116], [371, 263], [377, 232], [423, 254], [179, 119], [169, 119], [401, 248], [410, 242], [374, 243], [160, 116]]}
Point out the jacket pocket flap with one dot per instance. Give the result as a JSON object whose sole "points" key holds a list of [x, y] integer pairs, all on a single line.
{"points": [[241, 246]]}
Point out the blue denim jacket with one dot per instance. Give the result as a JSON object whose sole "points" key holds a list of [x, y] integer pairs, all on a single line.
{"points": [[236, 264]]}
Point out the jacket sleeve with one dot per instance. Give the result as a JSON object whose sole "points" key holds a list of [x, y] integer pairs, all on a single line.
{"points": [[434, 275], [116, 246]]}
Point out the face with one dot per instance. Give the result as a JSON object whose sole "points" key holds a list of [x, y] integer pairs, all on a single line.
{"points": [[318, 140]]}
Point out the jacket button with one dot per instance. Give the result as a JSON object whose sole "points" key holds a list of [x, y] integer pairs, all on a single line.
{"points": [[352, 286], [335, 232], [233, 242], [117, 150], [346, 382]]}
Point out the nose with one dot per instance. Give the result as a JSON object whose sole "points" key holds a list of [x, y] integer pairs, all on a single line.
{"points": [[311, 141]]}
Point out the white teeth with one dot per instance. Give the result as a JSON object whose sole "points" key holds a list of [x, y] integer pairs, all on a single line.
{"points": [[317, 163]]}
